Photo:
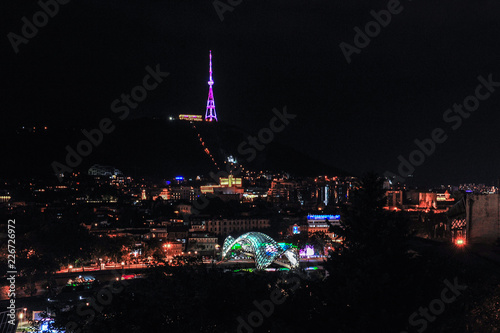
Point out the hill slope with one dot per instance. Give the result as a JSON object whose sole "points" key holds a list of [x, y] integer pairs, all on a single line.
{"points": [[146, 147]]}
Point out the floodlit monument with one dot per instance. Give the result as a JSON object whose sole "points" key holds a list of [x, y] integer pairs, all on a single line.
{"points": [[263, 248]]}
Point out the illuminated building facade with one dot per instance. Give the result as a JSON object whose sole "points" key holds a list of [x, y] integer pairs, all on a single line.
{"points": [[230, 188], [282, 191], [439, 201], [191, 117], [254, 194], [323, 195], [4, 196], [230, 181], [226, 226], [165, 194], [188, 193], [173, 248], [263, 248], [322, 223], [394, 199], [184, 193], [202, 242], [103, 170], [184, 209]]}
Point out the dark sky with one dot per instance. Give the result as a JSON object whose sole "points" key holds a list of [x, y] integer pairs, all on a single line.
{"points": [[359, 116]]}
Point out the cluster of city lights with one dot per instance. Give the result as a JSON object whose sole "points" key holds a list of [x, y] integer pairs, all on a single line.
{"points": [[307, 251]]}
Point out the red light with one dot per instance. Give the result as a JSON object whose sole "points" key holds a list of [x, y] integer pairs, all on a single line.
{"points": [[460, 242]]}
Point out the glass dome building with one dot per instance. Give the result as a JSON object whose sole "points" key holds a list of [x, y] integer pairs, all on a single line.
{"points": [[264, 249]]}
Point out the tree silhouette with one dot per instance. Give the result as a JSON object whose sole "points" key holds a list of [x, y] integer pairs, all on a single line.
{"points": [[366, 274]]}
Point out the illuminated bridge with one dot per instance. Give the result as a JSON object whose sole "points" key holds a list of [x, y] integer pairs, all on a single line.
{"points": [[263, 248]]}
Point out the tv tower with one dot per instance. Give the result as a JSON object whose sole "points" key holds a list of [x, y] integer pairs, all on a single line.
{"points": [[210, 114]]}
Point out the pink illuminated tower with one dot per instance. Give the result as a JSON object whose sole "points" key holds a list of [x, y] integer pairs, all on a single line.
{"points": [[210, 114]]}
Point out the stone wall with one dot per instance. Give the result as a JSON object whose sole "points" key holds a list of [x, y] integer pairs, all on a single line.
{"points": [[483, 218]]}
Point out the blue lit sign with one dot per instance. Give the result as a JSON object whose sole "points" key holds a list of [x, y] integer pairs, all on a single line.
{"points": [[295, 230], [179, 178], [323, 217]]}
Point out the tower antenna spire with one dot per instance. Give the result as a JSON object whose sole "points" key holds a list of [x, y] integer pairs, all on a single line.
{"points": [[210, 114]]}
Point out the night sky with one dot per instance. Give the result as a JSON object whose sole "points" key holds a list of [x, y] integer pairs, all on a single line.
{"points": [[267, 54]]}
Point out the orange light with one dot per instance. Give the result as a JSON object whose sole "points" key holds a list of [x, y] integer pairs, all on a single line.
{"points": [[460, 242]]}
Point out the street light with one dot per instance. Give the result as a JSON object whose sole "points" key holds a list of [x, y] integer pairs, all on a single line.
{"points": [[216, 248], [167, 250], [22, 316], [460, 242]]}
